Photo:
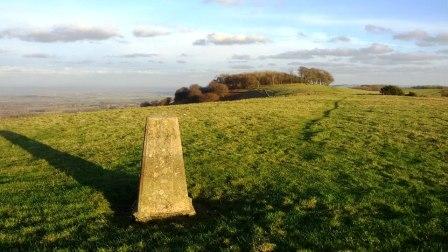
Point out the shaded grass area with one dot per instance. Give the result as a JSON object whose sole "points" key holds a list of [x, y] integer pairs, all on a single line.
{"points": [[84, 172], [321, 168], [245, 94]]}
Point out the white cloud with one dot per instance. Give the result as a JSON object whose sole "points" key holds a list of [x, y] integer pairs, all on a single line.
{"points": [[301, 35], [147, 32], [200, 42], [241, 57], [61, 33], [337, 52], [333, 21], [376, 48], [230, 39], [375, 54], [340, 39], [420, 37], [320, 64], [423, 38], [225, 2], [139, 55], [38, 56], [412, 35], [76, 62], [404, 58], [226, 39], [377, 29]]}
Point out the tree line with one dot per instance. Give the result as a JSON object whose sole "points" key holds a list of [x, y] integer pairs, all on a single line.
{"points": [[220, 87], [266, 78]]}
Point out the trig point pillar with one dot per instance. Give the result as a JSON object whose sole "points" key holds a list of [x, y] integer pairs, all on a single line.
{"points": [[163, 186]]}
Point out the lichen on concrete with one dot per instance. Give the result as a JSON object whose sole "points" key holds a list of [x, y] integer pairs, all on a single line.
{"points": [[163, 187]]}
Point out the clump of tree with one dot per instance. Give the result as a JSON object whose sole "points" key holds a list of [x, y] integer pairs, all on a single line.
{"points": [[391, 90], [195, 93], [315, 76], [411, 94], [266, 78], [220, 86], [256, 79], [164, 102], [217, 88], [209, 97]]}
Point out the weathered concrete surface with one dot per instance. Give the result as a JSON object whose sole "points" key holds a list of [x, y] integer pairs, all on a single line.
{"points": [[163, 187]]}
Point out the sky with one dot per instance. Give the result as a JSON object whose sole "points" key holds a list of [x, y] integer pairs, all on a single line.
{"points": [[169, 43]]}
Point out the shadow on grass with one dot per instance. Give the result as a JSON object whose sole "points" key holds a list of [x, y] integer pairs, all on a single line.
{"points": [[308, 132], [244, 218], [238, 220], [116, 185], [243, 94], [218, 223]]}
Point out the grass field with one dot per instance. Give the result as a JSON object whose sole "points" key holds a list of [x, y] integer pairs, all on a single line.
{"points": [[428, 91], [313, 168], [431, 92]]}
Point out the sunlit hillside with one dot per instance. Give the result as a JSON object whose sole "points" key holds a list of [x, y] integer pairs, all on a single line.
{"points": [[312, 167]]}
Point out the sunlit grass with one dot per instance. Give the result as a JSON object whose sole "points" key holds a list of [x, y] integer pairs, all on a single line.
{"points": [[316, 167], [431, 92]]}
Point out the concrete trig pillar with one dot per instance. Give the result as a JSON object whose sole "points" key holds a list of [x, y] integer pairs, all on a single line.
{"points": [[163, 186]]}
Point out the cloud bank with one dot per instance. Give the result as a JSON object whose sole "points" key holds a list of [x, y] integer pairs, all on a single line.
{"points": [[420, 37], [61, 33], [241, 57], [139, 55], [38, 56], [374, 48], [148, 32], [338, 39]]}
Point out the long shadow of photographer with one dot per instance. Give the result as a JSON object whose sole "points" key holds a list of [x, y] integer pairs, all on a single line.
{"points": [[120, 190], [208, 228], [117, 186]]}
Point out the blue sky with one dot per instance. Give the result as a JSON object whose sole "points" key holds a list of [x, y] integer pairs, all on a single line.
{"points": [[175, 43]]}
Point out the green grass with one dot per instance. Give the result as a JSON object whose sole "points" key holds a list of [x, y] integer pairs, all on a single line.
{"points": [[430, 92], [321, 168]]}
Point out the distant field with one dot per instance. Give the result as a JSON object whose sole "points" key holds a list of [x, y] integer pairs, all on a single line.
{"points": [[19, 101], [423, 91], [433, 92], [314, 168]]}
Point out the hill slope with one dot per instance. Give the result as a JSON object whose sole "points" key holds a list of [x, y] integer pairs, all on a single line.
{"points": [[321, 168]]}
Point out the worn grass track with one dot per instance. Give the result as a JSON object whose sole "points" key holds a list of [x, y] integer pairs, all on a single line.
{"points": [[317, 168]]}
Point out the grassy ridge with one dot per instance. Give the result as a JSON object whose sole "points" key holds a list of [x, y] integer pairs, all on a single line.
{"points": [[430, 92], [320, 168]]}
